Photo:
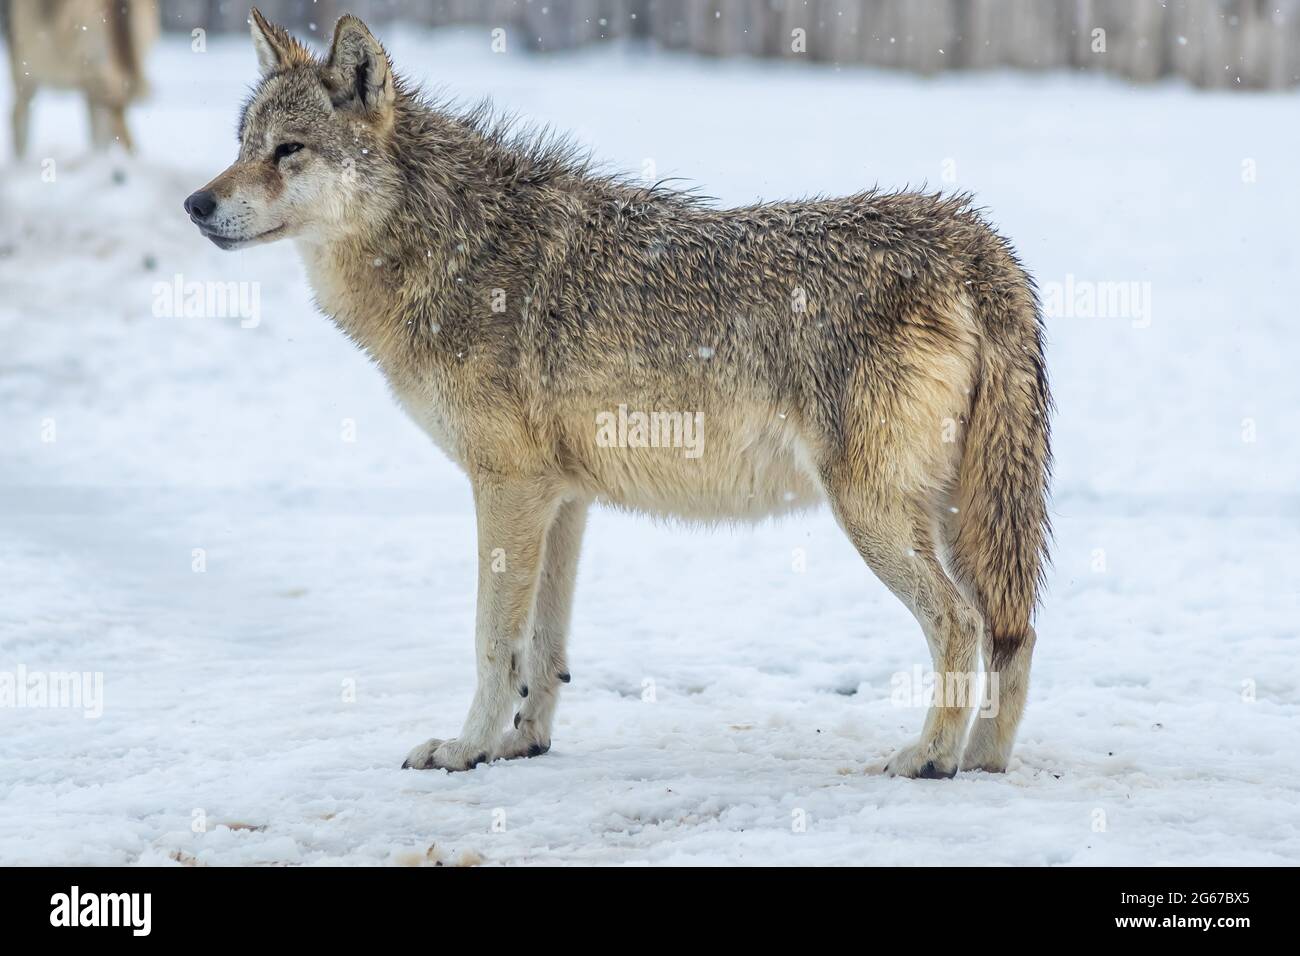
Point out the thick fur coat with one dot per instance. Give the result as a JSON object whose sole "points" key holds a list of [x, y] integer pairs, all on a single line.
{"points": [[881, 352]]}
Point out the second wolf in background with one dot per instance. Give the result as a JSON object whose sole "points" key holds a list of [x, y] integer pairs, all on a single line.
{"points": [[95, 46]]}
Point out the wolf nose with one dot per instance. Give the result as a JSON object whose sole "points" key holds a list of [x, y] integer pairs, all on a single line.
{"points": [[201, 204]]}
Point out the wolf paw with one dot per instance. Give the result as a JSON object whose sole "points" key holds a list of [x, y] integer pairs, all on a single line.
{"points": [[438, 754], [919, 761], [983, 751], [988, 762], [522, 742]]}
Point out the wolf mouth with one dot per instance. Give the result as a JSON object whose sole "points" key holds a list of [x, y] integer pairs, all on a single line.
{"points": [[234, 242]]}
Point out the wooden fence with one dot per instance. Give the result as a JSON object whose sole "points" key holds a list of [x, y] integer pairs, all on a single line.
{"points": [[1227, 44]]}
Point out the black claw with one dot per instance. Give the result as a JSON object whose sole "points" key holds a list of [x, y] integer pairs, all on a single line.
{"points": [[518, 717], [931, 772], [566, 677], [406, 765], [479, 759], [523, 691]]}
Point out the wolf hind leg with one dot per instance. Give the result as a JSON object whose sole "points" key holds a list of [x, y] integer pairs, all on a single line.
{"points": [[895, 538], [118, 130], [546, 664], [21, 118], [1006, 666], [99, 123]]}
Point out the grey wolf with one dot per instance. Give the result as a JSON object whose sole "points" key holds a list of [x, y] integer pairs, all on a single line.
{"points": [[95, 46], [881, 352]]}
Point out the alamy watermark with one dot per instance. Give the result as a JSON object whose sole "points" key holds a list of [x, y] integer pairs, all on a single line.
{"points": [[921, 688], [180, 299], [1085, 299], [624, 429], [68, 690], [75, 908]]}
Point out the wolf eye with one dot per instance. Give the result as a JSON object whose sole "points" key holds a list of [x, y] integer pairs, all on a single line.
{"points": [[286, 149]]}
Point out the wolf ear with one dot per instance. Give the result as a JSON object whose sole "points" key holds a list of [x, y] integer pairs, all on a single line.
{"points": [[357, 73], [276, 49]]}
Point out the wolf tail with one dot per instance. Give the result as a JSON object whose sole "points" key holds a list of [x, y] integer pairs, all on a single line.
{"points": [[999, 551]]}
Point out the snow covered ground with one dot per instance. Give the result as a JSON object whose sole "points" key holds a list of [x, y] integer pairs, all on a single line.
{"points": [[267, 701]]}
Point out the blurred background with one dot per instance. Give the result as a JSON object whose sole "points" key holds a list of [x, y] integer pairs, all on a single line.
{"points": [[208, 495], [1210, 43]]}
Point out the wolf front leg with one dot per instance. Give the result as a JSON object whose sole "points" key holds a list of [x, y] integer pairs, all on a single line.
{"points": [[547, 663], [513, 519]]}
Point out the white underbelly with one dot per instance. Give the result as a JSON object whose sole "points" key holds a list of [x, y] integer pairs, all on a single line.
{"points": [[743, 469]]}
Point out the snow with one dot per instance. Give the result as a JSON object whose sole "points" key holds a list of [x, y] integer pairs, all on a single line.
{"points": [[258, 711]]}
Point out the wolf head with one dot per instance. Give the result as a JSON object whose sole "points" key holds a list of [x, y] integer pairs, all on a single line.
{"points": [[313, 143]]}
